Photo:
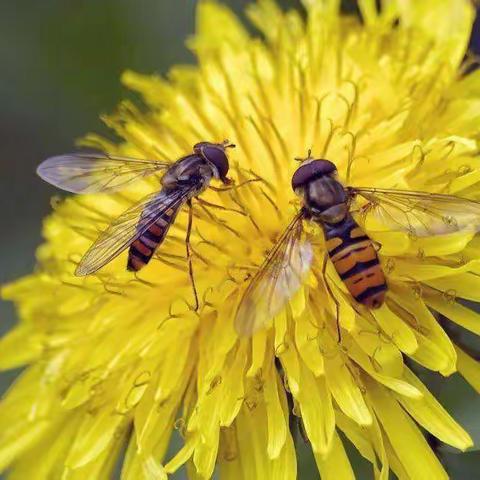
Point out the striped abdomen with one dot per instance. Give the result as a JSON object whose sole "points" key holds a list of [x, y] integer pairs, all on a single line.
{"points": [[356, 261], [142, 249]]}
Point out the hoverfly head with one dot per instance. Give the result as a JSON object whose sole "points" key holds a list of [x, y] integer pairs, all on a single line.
{"points": [[215, 155], [311, 169]]}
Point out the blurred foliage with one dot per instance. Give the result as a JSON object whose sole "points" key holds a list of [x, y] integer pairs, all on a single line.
{"points": [[61, 62]]}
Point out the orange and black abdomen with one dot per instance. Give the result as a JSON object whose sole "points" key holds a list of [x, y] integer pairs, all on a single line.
{"points": [[142, 249], [356, 261]]}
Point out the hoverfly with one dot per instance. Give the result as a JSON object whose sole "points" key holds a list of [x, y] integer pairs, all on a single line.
{"points": [[339, 210], [143, 227]]}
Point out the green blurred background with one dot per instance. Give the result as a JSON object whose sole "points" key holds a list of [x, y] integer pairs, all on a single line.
{"points": [[60, 67]]}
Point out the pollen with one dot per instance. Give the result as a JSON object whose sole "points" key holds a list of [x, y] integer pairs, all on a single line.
{"points": [[117, 363]]}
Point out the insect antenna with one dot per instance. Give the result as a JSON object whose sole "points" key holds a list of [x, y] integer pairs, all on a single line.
{"points": [[308, 157], [226, 144]]}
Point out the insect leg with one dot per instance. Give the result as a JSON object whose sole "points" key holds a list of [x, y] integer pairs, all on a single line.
{"points": [[233, 186], [189, 253], [330, 292], [219, 207]]}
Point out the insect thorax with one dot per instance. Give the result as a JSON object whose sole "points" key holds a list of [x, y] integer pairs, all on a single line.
{"points": [[325, 199], [192, 170]]}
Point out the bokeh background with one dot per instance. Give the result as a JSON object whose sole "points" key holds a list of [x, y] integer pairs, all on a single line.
{"points": [[60, 63]]}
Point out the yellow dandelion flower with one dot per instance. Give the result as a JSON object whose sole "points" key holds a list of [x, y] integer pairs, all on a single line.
{"points": [[119, 359]]}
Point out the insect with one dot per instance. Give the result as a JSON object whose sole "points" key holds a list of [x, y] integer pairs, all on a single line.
{"points": [[343, 213], [143, 227]]}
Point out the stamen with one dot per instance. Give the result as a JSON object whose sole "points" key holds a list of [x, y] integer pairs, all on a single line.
{"points": [[348, 109], [260, 86], [333, 130], [160, 258], [200, 257], [279, 137], [258, 177], [180, 425], [236, 118], [204, 119], [205, 241], [142, 281], [450, 296], [267, 146], [317, 125], [272, 203], [351, 154], [109, 287]]}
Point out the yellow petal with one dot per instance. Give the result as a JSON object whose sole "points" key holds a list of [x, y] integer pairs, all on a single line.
{"points": [[400, 333], [435, 347], [205, 454], [405, 437], [454, 311], [431, 356], [317, 412], [395, 462], [182, 455], [398, 385], [307, 341], [249, 460], [276, 422], [368, 441], [297, 303], [464, 285], [346, 392], [335, 465], [438, 245], [20, 346], [152, 470], [428, 412], [385, 356], [379, 442], [154, 420], [291, 363], [284, 466], [205, 422], [94, 436], [216, 26], [447, 22], [19, 440], [132, 463], [233, 386], [259, 346], [422, 270], [176, 360], [468, 368], [102, 467], [265, 14], [52, 458], [368, 9]]}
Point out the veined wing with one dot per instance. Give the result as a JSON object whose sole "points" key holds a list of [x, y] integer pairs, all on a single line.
{"points": [[277, 280], [95, 172], [420, 214], [128, 227]]}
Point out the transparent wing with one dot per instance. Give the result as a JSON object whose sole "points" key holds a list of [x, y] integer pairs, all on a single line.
{"points": [[95, 172], [418, 213], [128, 227], [276, 281]]}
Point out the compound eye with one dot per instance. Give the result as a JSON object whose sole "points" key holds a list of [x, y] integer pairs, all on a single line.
{"points": [[216, 155], [300, 178], [198, 146], [311, 170]]}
